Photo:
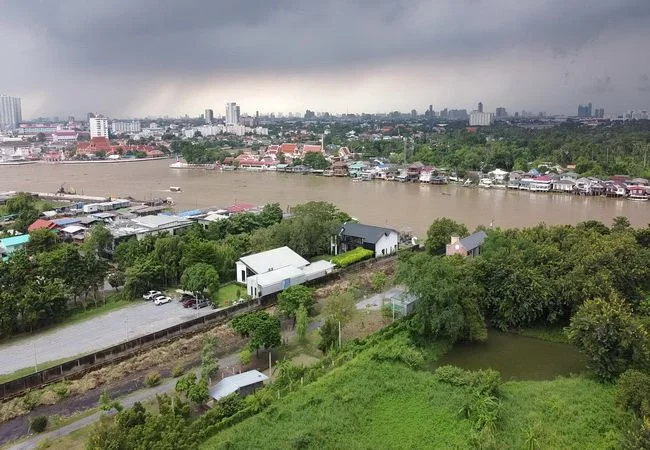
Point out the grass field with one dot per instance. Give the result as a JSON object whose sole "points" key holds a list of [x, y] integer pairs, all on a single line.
{"points": [[228, 292], [367, 404]]}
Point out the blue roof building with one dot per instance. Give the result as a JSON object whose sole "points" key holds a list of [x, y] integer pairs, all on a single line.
{"points": [[12, 244]]}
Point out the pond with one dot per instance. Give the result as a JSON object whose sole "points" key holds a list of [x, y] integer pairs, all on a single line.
{"points": [[517, 357]]}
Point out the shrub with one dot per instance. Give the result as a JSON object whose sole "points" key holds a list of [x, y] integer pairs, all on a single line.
{"points": [[152, 379], [633, 392], [178, 370], [38, 424], [379, 281], [353, 256], [485, 382], [245, 357]]}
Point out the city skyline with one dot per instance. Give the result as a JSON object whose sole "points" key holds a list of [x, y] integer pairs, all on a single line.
{"points": [[164, 58]]}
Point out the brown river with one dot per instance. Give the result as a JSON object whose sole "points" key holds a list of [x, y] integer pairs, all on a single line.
{"points": [[399, 205]]}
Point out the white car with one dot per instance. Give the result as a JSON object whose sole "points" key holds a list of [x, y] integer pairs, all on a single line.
{"points": [[151, 295], [161, 300]]}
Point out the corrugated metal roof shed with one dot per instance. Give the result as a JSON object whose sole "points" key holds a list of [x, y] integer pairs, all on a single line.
{"points": [[232, 384]]}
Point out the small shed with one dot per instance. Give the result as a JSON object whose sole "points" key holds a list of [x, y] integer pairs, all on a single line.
{"points": [[243, 384]]}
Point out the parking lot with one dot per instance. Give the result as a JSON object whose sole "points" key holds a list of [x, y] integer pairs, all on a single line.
{"points": [[94, 334]]}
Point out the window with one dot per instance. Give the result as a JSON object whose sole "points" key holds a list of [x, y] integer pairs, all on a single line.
{"points": [[243, 275]]}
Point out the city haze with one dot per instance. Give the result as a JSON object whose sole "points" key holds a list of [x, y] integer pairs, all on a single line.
{"points": [[171, 58]]}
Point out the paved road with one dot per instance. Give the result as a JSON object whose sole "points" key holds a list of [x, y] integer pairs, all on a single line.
{"points": [[375, 302], [228, 365], [94, 334]]}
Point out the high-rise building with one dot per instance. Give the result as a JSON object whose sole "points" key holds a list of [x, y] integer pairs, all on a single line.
{"points": [[98, 126], [414, 113], [480, 107], [599, 113], [232, 113], [10, 112], [480, 119], [131, 127], [584, 110], [208, 116], [501, 112]]}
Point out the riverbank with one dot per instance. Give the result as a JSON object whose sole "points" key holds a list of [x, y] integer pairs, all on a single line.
{"points": [[102, 161]]}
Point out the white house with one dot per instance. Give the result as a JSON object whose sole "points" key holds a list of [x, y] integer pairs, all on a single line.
{"points": [[382, 241], [498, 175], [275, 270]]}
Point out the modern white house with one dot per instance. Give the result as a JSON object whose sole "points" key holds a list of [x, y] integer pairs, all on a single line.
{"points": [[275, 270], [382, 241]]}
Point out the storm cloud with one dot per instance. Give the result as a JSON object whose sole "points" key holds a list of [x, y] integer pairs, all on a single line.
{"points": [[125, 57]]}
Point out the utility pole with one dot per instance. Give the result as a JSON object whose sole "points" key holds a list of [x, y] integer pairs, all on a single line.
{"points": [[35, 362], [269, 363]]}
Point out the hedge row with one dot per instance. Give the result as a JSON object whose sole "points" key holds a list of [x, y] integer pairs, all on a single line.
{"points": [[353, 256]]}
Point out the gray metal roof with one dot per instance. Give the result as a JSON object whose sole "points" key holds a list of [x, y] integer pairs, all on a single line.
{"points": [[368, 233], [231, 384], [473, 240]]}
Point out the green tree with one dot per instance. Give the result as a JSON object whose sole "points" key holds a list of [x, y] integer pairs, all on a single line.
{"points": [[99, 240], [106, 404], [301, 323], [316, 161], [290, 300], [41, 240], [447, 298], [379, 281], [329, 335], [270, 214], [144, 275], [201, 278], [262, 328], [23, 205], [116, 279], [610, 334], [196, 391], [440, 232], [340, 307]]}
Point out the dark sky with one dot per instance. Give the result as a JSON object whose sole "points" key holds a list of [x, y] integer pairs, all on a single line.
{"points": [[156, 57]]}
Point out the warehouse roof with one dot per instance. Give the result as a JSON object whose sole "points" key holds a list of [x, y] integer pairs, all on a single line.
{"points": [[273, 259]]}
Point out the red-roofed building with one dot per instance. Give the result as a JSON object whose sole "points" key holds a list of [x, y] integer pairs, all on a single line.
{"points": [[307, 148], [272, 149], [288, 149], [240, 208], [42, 224], [344, 152], [102, 144]]}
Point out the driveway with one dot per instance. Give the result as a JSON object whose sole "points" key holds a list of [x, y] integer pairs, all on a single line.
{"points": [[375, 302], [94, 334]]}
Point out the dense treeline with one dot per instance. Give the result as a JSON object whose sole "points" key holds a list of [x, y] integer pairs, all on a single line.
{"points": [[616, 149], [38, 283], [591, 277], [159, 261]]}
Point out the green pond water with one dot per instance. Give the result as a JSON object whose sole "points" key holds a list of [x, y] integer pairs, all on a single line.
{"points": [[517, 357]]}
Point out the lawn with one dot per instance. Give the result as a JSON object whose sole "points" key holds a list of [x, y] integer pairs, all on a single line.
{"points": [[228, 292], [362, 405], [366, 404]]}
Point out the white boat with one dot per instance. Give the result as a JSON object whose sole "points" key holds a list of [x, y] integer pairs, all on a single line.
{"points": [[174, 188], [179, 165], [485, 183], [328, 173], [467, 182]]}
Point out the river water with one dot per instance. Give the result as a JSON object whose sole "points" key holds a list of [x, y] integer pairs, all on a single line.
{"points": [[382, 203]]}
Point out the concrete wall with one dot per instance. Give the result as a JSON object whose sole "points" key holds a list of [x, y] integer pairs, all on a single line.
{"points": [[387, 245]]}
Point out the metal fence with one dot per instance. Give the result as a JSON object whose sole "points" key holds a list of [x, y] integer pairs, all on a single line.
{"points": [[78, 367]]}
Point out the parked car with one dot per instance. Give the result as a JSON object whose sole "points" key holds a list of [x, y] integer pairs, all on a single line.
{"points": [[189, 303], [161, 300], [151, 295], [202, 303], [186, 297]]}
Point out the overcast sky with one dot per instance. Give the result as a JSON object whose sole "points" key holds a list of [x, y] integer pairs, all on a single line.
{"points": [[171, 57]]}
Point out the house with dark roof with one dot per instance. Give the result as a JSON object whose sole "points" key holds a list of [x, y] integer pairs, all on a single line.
{"points": [[382, 241], [467, 246]]}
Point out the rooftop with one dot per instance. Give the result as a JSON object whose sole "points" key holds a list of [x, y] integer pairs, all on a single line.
{"points": [[230, 385], [278, 275], [160, 221], [473, 240], [368, 233], [15, 240], [273, 259]]}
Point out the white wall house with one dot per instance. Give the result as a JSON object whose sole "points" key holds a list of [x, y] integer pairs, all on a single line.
{"points": [[382, 241], [275, 270]]}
